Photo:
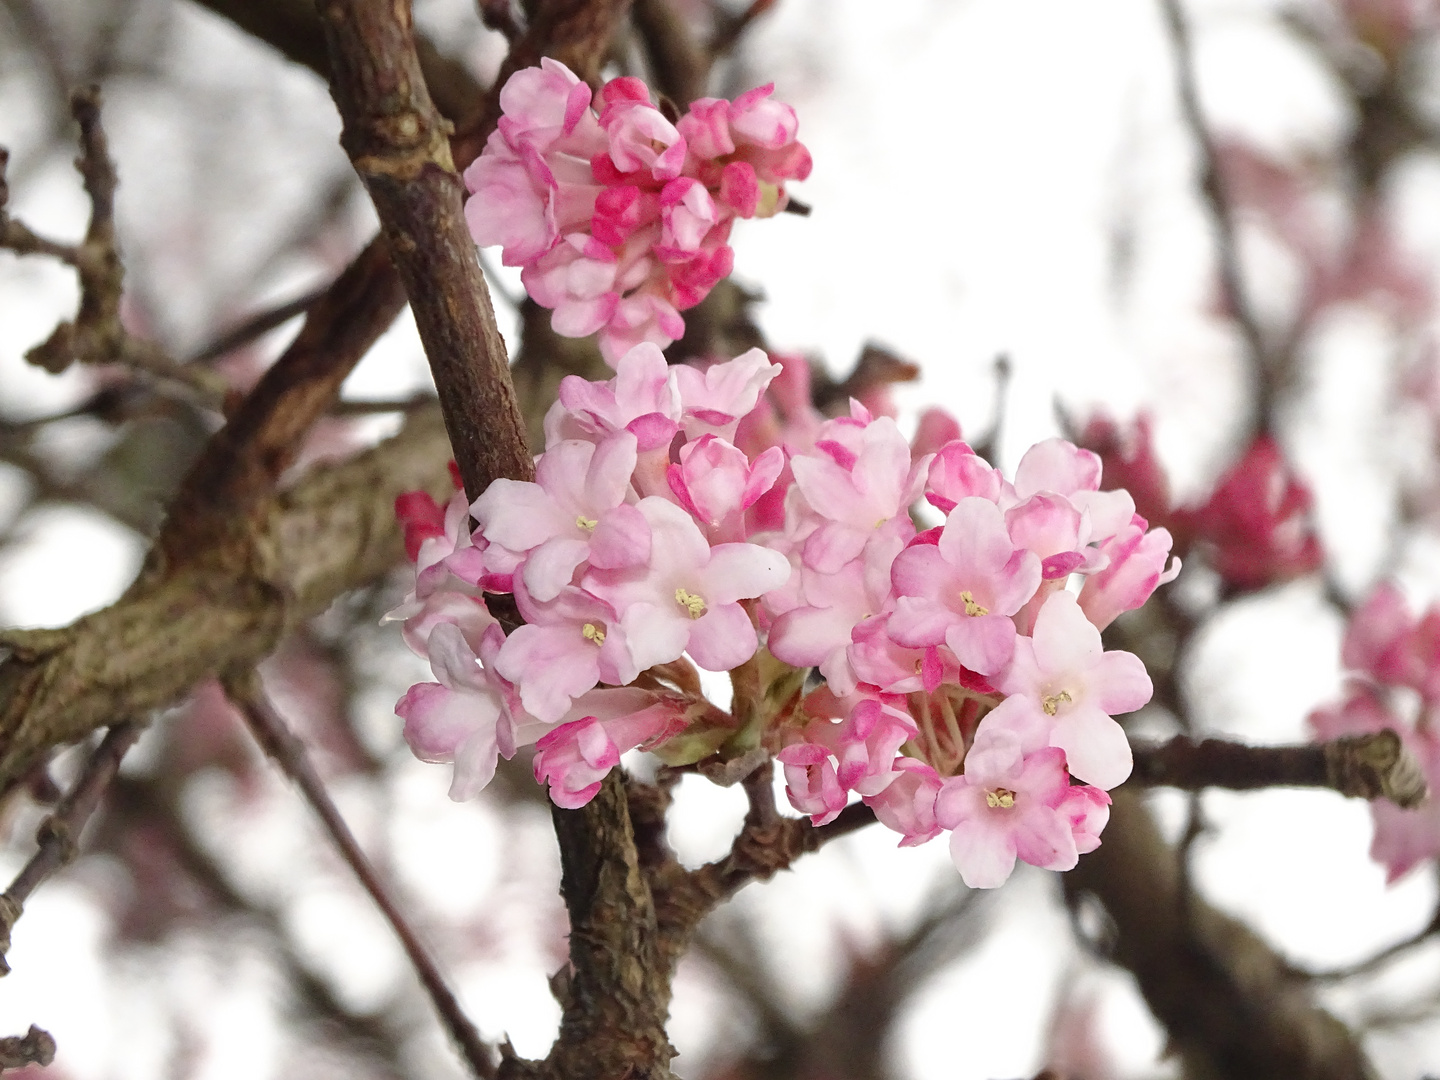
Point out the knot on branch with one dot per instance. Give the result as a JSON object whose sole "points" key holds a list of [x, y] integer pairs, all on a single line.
{"points": [[1374, 766], [35, 1047]]}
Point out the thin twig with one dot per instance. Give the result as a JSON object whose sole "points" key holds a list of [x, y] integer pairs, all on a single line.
{"points": [[1381, 958], [59, 833], [730, 28], [287, 751], [1222, 216], [256, 325], [1360, 766]]}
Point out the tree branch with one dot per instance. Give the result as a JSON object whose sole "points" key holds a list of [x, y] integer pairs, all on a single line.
{"points": [[1360, 766], [287, 751], [1232, 1007], [1222, 217], [333, 531], [59, 834]]}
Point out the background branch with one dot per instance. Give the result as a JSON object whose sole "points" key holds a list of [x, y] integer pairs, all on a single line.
{"points": [[1360, 766]]}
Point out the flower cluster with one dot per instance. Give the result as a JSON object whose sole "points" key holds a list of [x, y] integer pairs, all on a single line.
{"points": [[688, 511], [620, 219], [1393, 660]]}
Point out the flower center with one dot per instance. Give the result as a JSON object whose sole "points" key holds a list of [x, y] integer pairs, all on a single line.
{"points": [[694, 603], [1000, 797], [972, 607], [594, 633], [1051, 703], [585, 524]]}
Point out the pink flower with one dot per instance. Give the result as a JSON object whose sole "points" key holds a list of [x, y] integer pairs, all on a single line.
{"points": [[717, 484], [962, 589], [686, 599], [574, 758], [1257, 521], [574, 511], [1007, 805], [1136, 569], [907, 804], [565, 648], [468, 717], [640, 136], [642, 399], [859, 479], [810, 782], [1380, 638], [1065, 691], [714, 398]]}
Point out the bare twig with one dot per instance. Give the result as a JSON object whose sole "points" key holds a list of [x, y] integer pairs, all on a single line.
{"points": [[1222, 216], [1369, 766], [256, 325], [1381, 958], [59, 834], [730, 28], [287, 751], [97, 335]]}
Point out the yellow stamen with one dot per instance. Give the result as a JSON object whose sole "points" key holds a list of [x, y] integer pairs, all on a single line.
{"points": [[1003, 798], [691, 602], [971, 607], [1052, 703], [585, 524], [594, 633]]}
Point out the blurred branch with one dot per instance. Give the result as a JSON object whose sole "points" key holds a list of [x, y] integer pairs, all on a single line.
{"points": [[1381, 958], [680, 67], [59, 834], [292, 28], [35, 1047], [1369, 766], [97, 334], [334, 530], [1222, 216], [1233, 1009], [149, 807], [256, 325], [287, 751], [729, 29]]}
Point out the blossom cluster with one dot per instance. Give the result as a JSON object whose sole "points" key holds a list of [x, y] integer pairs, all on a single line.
{"points": [[619, 218], [1393, 664], [693, 512]]}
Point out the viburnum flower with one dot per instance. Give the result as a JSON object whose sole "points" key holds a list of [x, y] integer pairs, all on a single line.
{"points": [[962, 589], [686, 597], [1009, 805], [465, 718], [705, 509], [620, 220], [1065, 691]]}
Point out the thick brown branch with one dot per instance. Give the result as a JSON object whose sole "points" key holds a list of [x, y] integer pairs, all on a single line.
{"points": [[59, 833], [398, 144], [618, 991], [292, 28], [1361, 766], [287, 751], [1231, 1005], [333, 531]]}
